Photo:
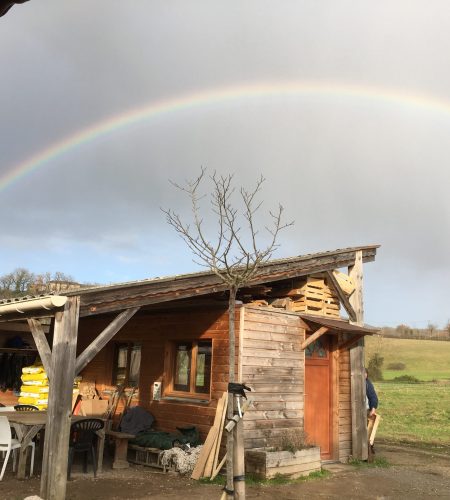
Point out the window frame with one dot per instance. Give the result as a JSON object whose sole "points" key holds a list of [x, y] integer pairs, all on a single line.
{"points": [[170, 370], [129, 345]]}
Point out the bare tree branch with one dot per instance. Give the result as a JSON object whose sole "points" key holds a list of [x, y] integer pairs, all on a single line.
{"points": [[229, 257]]}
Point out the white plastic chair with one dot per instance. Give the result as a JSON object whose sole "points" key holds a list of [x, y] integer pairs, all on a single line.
{"points": [[8, 443], [7, 408]]}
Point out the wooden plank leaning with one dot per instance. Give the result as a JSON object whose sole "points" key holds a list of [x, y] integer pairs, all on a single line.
{"points": [[220, 417], [210, 441]]}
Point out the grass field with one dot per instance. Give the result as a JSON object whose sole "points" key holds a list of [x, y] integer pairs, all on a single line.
{"points": [[417, 413], [424, 359], [414, 413]]}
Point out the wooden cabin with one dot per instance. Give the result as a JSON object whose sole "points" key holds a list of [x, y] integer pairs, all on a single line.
{"points": [[299, 346]]}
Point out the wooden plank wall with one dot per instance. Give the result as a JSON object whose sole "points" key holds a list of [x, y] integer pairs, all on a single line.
{"points": [[272, 364], [345, 406], [152, 331]]}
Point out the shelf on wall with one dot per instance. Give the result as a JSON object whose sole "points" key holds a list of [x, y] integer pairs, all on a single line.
{"points": [[16, 350]]}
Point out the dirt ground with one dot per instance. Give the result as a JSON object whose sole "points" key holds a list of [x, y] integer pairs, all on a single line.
{"points": [[412, 474]]}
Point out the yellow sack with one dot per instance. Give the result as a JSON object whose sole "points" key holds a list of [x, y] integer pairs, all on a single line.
{"points": [[43, 383], [28, 401], [26, 377], [42, 407], [36, 389], [30, 395], [33, 369], [42, 402]]}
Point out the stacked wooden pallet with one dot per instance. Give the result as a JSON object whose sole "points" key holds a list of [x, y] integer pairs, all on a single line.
{"points": [[315, 297], [208, 461]]}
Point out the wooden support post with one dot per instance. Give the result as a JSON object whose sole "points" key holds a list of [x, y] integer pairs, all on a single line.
{"points": [[56, 446], [358, 385], [42, 345], [107, 334]]}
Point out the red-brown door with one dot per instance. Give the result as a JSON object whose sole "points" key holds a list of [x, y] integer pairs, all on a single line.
{"points": [[318, 421]]}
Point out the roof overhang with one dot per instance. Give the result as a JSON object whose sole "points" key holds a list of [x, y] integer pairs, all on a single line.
{"points": [[27, 306], [118, 297], [338, 325], [104, 299], [320, 325]]}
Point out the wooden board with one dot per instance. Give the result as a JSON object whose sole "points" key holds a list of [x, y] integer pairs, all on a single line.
{"points": [[202, 462]]}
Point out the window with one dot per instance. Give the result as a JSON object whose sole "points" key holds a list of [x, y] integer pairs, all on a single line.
{"points": [[316, 349], [127, 364], [188, 365]]}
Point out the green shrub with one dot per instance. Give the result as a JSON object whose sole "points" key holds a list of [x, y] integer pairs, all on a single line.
{"points": [[396, 366], [409, 379], [374, 367]]}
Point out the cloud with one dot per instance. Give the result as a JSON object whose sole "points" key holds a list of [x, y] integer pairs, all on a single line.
{"points": [[349, 170]]}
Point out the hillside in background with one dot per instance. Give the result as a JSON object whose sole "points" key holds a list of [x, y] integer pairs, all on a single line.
{"points": [[425, 360]]}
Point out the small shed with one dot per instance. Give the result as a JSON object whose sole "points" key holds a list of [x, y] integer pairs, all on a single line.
{"points": [[299, 346]]}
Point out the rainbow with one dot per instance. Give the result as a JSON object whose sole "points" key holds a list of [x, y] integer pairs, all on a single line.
{"points": [[204, 98]]}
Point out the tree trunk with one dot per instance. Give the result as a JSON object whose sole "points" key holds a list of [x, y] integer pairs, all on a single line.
{"points": [[230, 410]]}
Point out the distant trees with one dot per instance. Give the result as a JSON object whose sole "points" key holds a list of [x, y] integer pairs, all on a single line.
{"points": [[431, 328], [431, 332], [22, 282]]}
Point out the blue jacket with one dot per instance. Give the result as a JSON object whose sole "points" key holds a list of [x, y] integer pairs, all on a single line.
{"points": [[371, 395]]}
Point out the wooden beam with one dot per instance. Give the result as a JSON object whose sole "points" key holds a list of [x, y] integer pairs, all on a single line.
{"points": [[115, 298], [19, 327], [357, 382], [57, 430], [318, 333], [342, 297], [349, 342], [42, 345], [105, 336]]}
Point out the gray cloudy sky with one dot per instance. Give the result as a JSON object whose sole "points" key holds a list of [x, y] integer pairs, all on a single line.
{"points": [[350, 168]]}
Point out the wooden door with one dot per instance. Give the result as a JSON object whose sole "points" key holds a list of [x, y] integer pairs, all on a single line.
{"points": [[318, 397]]}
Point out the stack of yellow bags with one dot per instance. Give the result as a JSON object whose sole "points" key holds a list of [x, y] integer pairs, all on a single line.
{"points": [[34, 390]]}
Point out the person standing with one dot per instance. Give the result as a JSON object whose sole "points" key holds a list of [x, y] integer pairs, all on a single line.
{"points": [[372, 405], [372, 398]]}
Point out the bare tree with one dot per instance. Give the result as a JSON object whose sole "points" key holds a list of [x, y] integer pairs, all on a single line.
{"points": [[234, 256], [16, 283], [21, 282]]}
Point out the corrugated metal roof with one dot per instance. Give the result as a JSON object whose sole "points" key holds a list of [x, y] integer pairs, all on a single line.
{"points": [[117, 296], [176, 277], [14, 300]]}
